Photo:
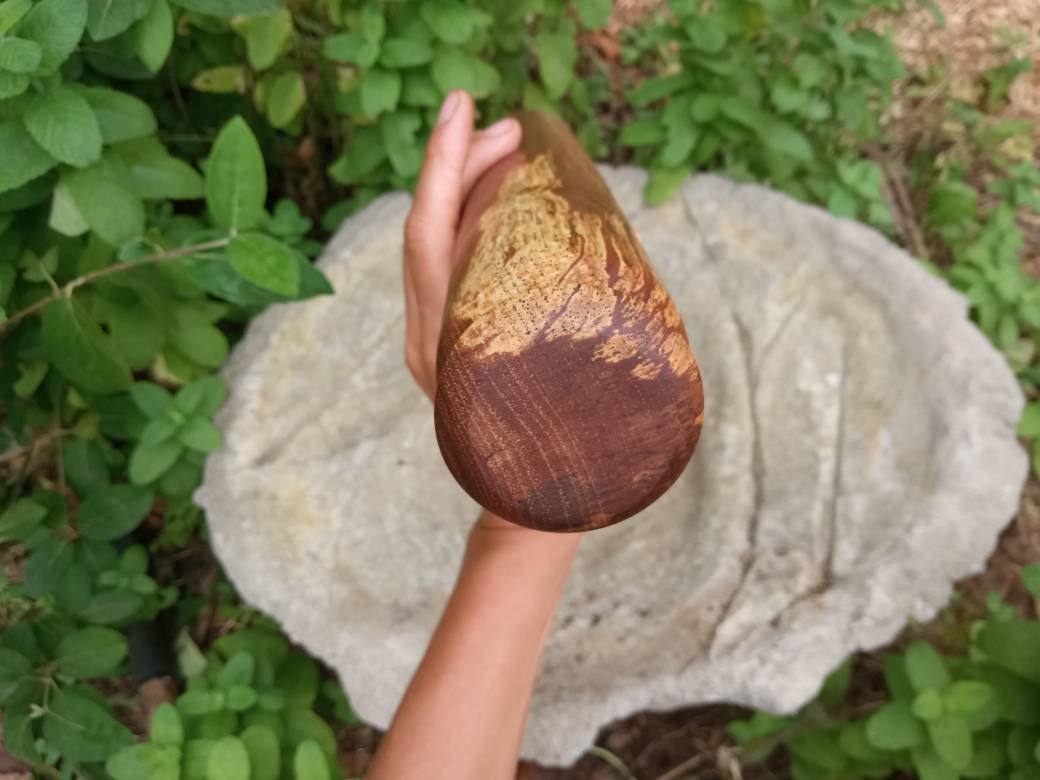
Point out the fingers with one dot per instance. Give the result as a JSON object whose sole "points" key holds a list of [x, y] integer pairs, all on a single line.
{"points": [[488, 147], [430, 229]]}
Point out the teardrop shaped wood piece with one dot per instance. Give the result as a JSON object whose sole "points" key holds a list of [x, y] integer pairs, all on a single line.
{"points": [[568, 397]]}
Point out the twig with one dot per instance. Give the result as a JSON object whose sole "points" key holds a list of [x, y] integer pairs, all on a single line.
{"points": [[686, 766], [903, 202], [79, 281], [613, 760]]}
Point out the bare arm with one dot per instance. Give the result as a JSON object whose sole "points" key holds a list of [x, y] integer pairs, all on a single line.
{"points": [[462, 716]]}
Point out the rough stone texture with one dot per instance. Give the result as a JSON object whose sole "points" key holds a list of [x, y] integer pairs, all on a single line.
{"points": [[858, 455]]}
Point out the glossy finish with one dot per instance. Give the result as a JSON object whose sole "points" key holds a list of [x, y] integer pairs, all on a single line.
{"points": [[567, 394]]}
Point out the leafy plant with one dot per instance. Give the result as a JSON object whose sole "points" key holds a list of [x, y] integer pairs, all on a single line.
{"points": [[248, 712], [973, 716]]}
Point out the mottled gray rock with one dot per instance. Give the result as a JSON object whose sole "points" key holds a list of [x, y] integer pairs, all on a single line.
{"points": [[858, 455]]}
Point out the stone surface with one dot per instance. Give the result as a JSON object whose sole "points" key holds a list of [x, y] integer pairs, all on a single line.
{"points": [[858, 455]]}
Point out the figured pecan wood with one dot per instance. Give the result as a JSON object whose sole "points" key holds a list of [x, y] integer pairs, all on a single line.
{"points": [[568, 397]]}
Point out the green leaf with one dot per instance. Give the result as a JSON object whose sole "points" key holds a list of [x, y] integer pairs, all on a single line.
{"points": [[103, 194], [94, 651], [454, 69], [372, 22], [741, 110], [229, 8], [967, 696], [1029, 425], [707, 34], [57, 26], [148, 462], [21, 158], [930, 767], [241, 698], [404, 53], [19, 739], [81, 730], [156, 175], [18, 55], [65, 215], [120, 117], [656, 88], [309, 762], [228, 761], [201, 435], [298, 677], [450, 20], [107, 18], [265, 262], [264, 752], [925, 667], [786, 140], [642, 132], [928, 704], [557, 53], [13, 668], [894, 727], [379, 91], [267, 36], [1013, 645], [663, 183], [80, 349], [12, 12], [240, 669], [399, 137], [146, 762], [348, 47], [594, 13], [236, 181], [221, 79], [46, 565], [705, 107], [113, 511], [286, 96], [166, 727], [12, 84], [111, 607], [203, 397], [951, 738], [22, 517], [150, 398], [153, 35], [301, 725]]}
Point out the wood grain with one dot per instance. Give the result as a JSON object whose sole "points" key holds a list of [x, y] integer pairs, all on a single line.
{"points": [[568, 397]]}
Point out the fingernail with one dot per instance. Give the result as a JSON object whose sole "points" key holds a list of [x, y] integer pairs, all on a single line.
{"points": [[501, 127], [449, 106]]}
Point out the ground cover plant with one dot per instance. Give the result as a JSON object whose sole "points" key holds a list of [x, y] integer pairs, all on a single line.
{"points": [[168, 169]]}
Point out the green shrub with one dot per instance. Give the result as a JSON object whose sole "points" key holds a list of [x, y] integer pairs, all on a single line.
{"points": [[971, 716]]}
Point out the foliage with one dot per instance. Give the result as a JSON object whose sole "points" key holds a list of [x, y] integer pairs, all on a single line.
{"points": [[970, 716], [167, 168], [786, 92], [248, 711]]}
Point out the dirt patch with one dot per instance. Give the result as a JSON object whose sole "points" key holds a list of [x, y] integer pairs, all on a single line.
{"points": [[977, 35]]}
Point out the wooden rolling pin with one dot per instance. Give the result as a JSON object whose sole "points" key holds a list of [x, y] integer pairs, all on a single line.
{"points": [[567, 394]]}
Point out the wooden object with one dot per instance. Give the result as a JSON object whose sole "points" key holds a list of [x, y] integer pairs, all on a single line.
{"points": [[567, 394]]}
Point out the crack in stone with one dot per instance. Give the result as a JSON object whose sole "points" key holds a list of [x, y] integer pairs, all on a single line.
{"points": [[757, 463]]}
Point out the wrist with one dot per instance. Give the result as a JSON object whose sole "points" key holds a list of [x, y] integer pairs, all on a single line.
{"points": [[493, 535]]}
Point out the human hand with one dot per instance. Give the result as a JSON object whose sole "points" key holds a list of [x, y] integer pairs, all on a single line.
{"points": [[456, 156]]}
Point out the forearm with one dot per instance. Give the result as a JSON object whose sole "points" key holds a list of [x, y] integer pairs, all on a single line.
{"points": [[463, 713]]}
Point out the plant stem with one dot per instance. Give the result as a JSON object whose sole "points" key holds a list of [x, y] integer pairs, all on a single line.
{"points": [[79, 281]]}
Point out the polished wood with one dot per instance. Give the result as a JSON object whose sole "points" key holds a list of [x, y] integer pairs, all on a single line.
{"points": [[568, 397]]}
